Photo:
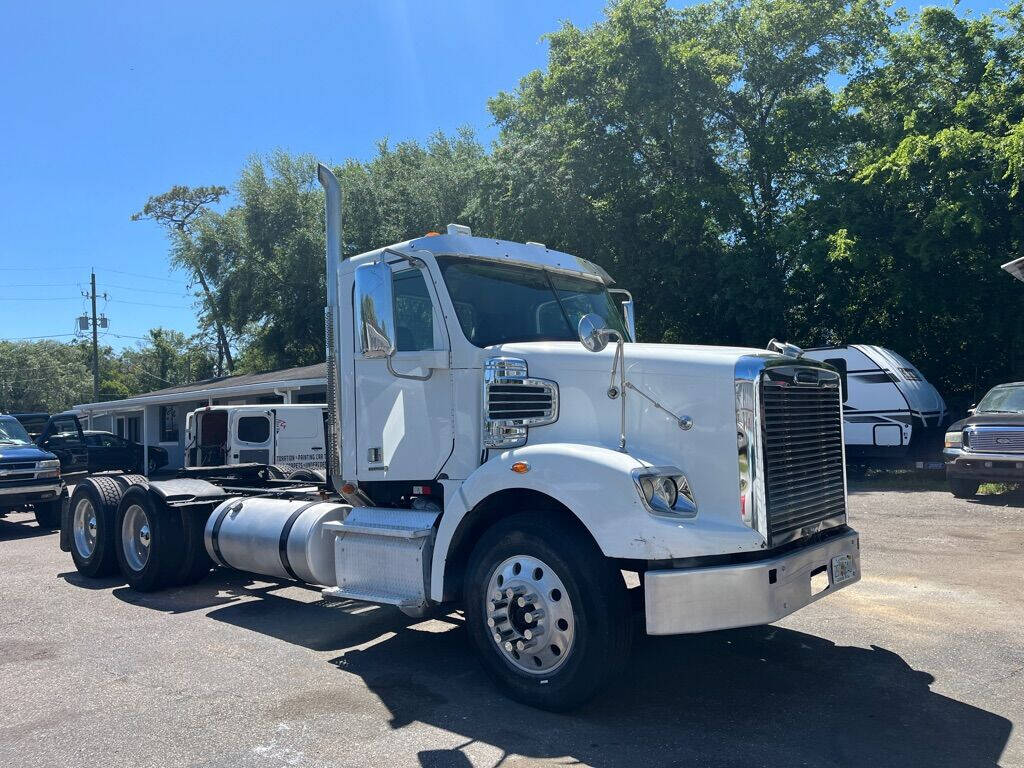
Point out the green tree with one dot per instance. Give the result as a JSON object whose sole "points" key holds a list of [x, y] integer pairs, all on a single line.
{"points": [[179, 210], [904, 249]]}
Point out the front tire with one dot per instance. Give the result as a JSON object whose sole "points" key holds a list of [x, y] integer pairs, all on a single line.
{"points": [[572, 631], [48, 512], [963, 488], [150, 541]]}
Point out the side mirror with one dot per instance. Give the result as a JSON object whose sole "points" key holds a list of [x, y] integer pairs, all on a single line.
{"points": [[972, 410], [594, 333], [628, 311], [375, 310]]}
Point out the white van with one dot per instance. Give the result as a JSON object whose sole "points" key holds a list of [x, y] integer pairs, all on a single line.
{"points": [[892, 416], [289, 435]]}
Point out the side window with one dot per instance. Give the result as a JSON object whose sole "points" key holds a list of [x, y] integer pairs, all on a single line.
{"points": [[414, 312], [253, 429], [168, 424], [839, 364]]}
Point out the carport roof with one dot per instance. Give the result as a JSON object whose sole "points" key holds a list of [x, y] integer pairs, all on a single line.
{"points": [[246, 383]]}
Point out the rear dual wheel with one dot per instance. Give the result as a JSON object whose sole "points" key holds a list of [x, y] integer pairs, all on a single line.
{"points": [[158, 546]]}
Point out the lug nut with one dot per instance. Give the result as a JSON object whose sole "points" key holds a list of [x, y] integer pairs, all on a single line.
{"points": [[525, 645], [528, 634], [501, 635], [514, 591], [526, 601], [496, 619], [535, 615]]}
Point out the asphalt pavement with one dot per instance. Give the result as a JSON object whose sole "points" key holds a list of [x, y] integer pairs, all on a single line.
{"points": [[919, 664]]}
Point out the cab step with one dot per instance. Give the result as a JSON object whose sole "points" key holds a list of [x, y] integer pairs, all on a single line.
{"points": [[383, 555]]}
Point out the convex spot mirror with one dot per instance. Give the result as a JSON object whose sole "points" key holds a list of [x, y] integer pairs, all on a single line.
{"points": [[375, 309], [594, 332]]}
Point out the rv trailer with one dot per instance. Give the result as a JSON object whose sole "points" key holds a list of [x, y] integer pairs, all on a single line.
{"points": [[892, 416]]}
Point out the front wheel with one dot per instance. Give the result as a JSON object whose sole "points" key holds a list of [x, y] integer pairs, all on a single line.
{"points": [[548, 613], [963, 488], [48, 512]]}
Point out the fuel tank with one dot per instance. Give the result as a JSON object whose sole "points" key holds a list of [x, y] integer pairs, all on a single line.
{"points": [[276, 537]]}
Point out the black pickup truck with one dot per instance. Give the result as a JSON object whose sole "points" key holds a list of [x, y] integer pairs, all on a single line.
{"points": [[62, 435], [987, 446], [29, 475]]}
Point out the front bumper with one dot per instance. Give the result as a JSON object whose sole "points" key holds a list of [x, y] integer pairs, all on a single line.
{"points": [[985, 467], [686, 600], [16, 495]]}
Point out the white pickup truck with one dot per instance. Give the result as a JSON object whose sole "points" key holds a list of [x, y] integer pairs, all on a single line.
{"points": [[499, 443]]}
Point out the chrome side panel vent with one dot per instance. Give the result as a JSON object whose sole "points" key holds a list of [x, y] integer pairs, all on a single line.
{"points": [[513, 402]]}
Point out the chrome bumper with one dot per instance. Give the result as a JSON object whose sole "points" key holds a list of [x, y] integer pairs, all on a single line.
{"points": [[746, 594], [25, 490]]}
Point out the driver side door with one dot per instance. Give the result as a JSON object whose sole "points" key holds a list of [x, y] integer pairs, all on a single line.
{"points": [[404, 426]]}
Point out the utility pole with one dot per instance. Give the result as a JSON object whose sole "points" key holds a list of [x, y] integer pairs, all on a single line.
{"points": [[96, 323], [95, 343]]}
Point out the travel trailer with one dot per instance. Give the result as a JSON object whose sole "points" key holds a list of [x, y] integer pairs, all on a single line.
{"points": [[892, 417]]}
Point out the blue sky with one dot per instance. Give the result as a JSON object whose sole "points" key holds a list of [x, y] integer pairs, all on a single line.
{"points": [[107, 103]]}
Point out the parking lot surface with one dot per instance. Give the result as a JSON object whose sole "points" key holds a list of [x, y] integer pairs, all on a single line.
{"points": [[919, 664]]}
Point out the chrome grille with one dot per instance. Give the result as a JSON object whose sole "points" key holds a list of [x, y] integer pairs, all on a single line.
{"points": [[803, 452], [995, 439], [513, 402]]}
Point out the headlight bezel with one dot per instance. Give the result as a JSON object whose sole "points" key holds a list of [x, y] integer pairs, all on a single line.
{"points": [[656, 486]]}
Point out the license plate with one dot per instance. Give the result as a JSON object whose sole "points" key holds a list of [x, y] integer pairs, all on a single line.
{"points": [[843, 569]]}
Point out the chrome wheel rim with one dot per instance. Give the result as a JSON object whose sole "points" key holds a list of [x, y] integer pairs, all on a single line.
{"points": [[136, 537], [84, 528], [529, 615]]}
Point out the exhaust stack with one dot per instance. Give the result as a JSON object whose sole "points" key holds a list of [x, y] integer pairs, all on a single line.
{"points": [[335, 200]]}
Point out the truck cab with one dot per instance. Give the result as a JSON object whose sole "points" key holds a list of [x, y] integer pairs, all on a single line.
{"points": [[499, 442]]}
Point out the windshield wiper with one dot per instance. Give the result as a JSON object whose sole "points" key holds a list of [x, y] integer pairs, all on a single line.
{"points": [[994, 411]]}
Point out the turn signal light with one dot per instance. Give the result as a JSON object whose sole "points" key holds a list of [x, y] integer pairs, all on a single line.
{"points": [[521, 467]]}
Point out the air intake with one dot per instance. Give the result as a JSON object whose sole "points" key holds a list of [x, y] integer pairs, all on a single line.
{"points": [[513, 402]]}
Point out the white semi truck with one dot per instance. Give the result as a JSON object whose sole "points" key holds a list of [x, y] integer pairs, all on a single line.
{"points": [[499, 443]]}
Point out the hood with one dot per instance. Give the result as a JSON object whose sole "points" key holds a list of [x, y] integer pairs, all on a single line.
{"points": [[23, 453], [989, 420], [668, 359], [682, 413]]}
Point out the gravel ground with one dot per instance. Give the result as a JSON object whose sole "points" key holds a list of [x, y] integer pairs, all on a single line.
{"points": [[920, 664]]}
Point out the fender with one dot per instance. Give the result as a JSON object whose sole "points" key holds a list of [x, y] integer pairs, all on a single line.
{"points": [[596, 485]]}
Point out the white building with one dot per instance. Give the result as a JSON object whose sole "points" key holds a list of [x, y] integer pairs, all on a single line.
{"points": [[160, 415]]}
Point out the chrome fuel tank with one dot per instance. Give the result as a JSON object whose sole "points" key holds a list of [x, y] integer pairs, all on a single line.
{"points": [[275, 537]]}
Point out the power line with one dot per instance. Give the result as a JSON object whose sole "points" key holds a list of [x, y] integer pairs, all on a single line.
{"points": [[147, 304], [147, 290], [41, 298], [147, 277], [30, 338]]}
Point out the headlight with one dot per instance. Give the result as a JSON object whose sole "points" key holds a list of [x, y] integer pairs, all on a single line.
{"points": [[48, 464], [954, 439], [665, 491]]}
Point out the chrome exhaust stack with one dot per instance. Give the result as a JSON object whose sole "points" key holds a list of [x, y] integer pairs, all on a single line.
{"points": [[335, 200]]}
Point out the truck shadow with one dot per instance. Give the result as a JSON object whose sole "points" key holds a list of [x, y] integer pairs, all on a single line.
{"points": [[756, 696], [24, 526], [299, 616]]}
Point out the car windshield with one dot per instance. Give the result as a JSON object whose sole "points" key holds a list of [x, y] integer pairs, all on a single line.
{"points": [[1002, 400], [11, 432], [499, 303]]}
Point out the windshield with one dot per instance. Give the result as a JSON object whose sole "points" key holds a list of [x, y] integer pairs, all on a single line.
{"points": [[498, 303], [11, 431], [1002, 400]]}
